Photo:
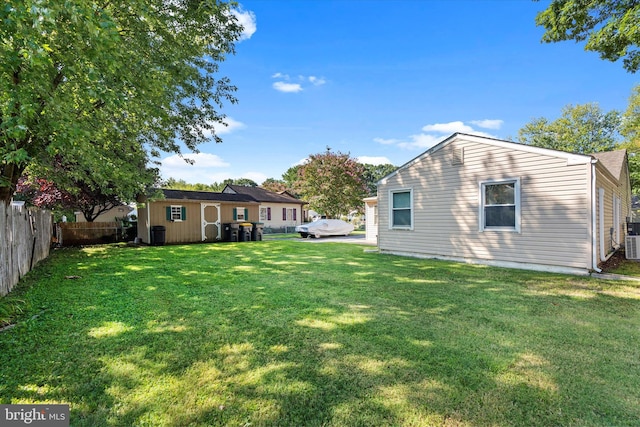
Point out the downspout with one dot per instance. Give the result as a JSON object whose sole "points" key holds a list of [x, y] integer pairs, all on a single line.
{"points": [[148, 221], [594, 217]]}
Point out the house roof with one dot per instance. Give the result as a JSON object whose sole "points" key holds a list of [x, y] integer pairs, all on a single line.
{"points": [[206, 196], [261, 195], [572, 158], [613, 161]]}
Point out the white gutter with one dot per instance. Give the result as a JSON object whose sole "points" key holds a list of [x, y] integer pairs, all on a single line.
{"points": [[594, 240]]}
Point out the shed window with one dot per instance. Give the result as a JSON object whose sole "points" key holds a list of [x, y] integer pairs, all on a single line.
{"points": [[401, 209], [500, 205], [240, 214], [176, 213]]}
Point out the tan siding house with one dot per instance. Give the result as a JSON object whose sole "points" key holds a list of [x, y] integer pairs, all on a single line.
{"points": [[477, 199], [193, 216]]}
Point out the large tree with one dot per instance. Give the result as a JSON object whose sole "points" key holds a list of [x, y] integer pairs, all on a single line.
{"points": [[374, 173], [630, 129], [109, 85], [609, 27], [332, 183], [582, 129], [275, 185]]}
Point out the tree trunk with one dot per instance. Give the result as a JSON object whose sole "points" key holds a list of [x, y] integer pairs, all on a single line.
{"points": [[8, 180]]}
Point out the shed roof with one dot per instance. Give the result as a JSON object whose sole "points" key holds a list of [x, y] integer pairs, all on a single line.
{"points": [[206, 196], [261, 195]]}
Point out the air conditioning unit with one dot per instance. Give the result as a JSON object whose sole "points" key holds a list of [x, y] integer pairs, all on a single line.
{"points": [[632, 247]]}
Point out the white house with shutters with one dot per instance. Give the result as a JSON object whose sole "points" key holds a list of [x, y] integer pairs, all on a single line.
{"points": [[276, 210]]}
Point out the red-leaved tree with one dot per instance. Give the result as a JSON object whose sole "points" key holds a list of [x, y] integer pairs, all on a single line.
{"points": [[45, 194], [332, 183]]}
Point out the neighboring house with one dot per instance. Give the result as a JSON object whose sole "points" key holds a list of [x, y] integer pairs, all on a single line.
{"points": [[276, 210], [483, 200], [371, 219], [196, 216], [108, 216]]}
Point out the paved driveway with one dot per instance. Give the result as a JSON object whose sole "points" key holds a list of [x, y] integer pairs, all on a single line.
{"points": [[353, 238]]}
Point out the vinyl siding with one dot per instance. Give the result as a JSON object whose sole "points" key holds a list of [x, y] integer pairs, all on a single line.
{"points": [[276, 215], [612, 187], [555, 207], [371, 226]]}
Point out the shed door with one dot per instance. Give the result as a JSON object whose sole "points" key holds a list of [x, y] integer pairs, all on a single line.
{"points": [[211, 230]]}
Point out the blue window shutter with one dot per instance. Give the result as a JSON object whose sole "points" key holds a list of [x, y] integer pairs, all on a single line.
{"points": [[184, 213], [269, 214], [235, 214], [284, 214], [246, 214], [295, 214], [168, 209]]}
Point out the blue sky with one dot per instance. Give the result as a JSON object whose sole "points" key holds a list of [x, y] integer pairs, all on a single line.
{"points": [[385, 80]]}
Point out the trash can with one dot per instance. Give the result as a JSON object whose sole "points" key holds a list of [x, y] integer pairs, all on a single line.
{"points": [[256, 232], [158, 233], [231, 232], [245, 231]]}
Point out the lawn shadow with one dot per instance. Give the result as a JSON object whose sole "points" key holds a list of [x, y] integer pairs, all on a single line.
{"points": [[272, 334]]}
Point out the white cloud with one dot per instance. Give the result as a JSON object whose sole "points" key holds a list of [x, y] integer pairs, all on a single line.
{"points": [[317, 81], [287, 87], [232, 125], [247, 19], [200, 160], [488, 124], [435, 133], [387, 141], [374, 160], [421, 141], [285, 84], [202, 170], [207, 169], [451, 127]]}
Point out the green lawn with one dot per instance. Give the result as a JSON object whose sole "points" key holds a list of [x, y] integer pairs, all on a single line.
{"points": [[296, 334]]}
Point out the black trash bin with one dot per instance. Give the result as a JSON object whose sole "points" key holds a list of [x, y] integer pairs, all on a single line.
{"points": [[231, 232], [158, 233], [256, 233], [245, 231]]}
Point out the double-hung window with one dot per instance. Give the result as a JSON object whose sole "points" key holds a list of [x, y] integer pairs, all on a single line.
{"points": [[401, 209], [500, 205]]}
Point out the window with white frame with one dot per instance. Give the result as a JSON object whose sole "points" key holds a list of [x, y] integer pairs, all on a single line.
{"points": [[176, 213], [240, 214], [401, 209], [500, 205]]}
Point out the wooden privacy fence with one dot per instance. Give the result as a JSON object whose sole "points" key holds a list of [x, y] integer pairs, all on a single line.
{"points": [[25, 239], [88, 233]]}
